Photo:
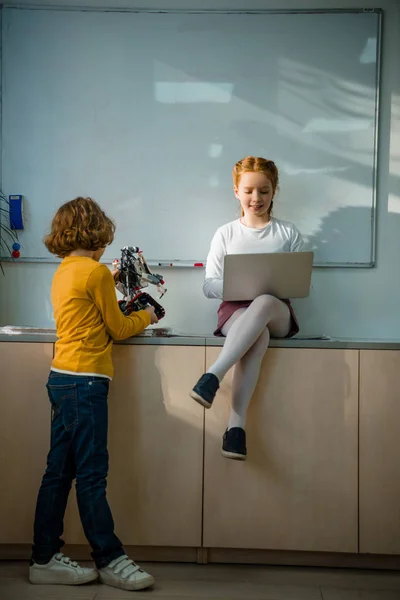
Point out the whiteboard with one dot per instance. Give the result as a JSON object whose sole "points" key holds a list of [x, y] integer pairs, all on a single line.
{"points": [[148, 112]]}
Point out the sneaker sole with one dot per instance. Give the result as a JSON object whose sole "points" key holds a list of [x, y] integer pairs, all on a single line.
{"points": [[128, 586], [40, 579], [233, 455], [200, 400]]}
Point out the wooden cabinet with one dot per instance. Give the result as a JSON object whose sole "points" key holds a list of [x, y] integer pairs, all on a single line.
{"points": [[380, 451], [24, 435], [312, 437], [155, 446], [298, 488]]}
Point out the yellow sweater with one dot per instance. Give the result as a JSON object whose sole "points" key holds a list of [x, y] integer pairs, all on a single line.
{"points": [[88, 317]]}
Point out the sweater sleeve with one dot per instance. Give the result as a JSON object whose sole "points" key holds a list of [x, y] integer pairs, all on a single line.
{"points": [[213, 282], [101, 289]]}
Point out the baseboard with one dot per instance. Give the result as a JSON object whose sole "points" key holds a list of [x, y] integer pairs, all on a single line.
{"points": [[303, 559]]}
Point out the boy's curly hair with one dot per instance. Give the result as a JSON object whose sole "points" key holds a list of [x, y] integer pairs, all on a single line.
{"points": [[79, 225]]}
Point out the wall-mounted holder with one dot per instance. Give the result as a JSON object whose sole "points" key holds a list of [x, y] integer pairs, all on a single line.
{"points": [[16, 212]]}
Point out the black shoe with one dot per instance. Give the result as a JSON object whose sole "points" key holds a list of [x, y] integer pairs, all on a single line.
{"points": [[234, 444], [205, 389]]}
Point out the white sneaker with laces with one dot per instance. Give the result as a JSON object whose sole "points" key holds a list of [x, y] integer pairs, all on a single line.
{"points": [[61, 570], [125, 574]]}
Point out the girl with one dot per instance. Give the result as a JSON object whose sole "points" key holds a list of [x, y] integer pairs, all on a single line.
{"points": [[88, 319], [247, 326]]}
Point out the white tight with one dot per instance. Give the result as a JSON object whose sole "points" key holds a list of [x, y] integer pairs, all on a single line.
{"points": [[247, 334]]}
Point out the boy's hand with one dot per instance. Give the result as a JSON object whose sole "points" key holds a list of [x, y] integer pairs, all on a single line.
{"points": [[153, 317], [115, 274]]}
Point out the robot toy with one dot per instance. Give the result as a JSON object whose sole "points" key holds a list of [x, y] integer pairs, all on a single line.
{"points": [[134, 275]]}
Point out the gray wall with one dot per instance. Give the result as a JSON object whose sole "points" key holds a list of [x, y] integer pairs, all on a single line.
{"points": [[344, 303]]}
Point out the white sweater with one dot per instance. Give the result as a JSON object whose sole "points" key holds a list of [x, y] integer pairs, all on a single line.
{"points": [[236, 238]]}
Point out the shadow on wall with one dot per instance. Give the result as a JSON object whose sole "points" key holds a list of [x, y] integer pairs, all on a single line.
{"points": [[346, 300]]}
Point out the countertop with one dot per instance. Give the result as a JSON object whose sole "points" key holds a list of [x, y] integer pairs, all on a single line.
{"points": [[167, 337]]}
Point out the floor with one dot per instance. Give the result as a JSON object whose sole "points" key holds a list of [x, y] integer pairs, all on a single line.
{"points": [[217, 582]]}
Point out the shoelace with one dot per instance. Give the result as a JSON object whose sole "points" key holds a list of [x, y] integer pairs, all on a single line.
{"points": [[66, 560], [125, 567]]}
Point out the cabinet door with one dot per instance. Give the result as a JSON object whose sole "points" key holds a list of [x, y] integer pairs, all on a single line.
{"points": [[380, 451], [24, 435], [155, 446], [297, 490]]}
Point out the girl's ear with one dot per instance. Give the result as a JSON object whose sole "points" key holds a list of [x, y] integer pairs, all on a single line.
{"points": [[236, 191]]}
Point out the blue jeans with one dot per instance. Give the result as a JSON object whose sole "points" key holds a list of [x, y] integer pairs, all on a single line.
{"points": [[78, 450]]}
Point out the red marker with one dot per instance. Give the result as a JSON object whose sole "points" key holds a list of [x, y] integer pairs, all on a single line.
{"points": [[198, 265]]}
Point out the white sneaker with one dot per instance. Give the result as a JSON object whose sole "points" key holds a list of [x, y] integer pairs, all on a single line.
{"points": [[125, 574], [61, 570]]}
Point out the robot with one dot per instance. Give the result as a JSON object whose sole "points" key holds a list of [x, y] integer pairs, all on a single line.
{"points": [[134, 275]]}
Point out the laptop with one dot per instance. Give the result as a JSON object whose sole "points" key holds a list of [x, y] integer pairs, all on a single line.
{"points": [[281, 274]]}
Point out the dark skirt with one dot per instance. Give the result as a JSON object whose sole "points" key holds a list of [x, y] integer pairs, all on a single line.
{"points": [[226, 310]]}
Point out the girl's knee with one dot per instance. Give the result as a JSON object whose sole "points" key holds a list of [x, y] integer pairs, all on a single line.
{"points": [[265, 303]]}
